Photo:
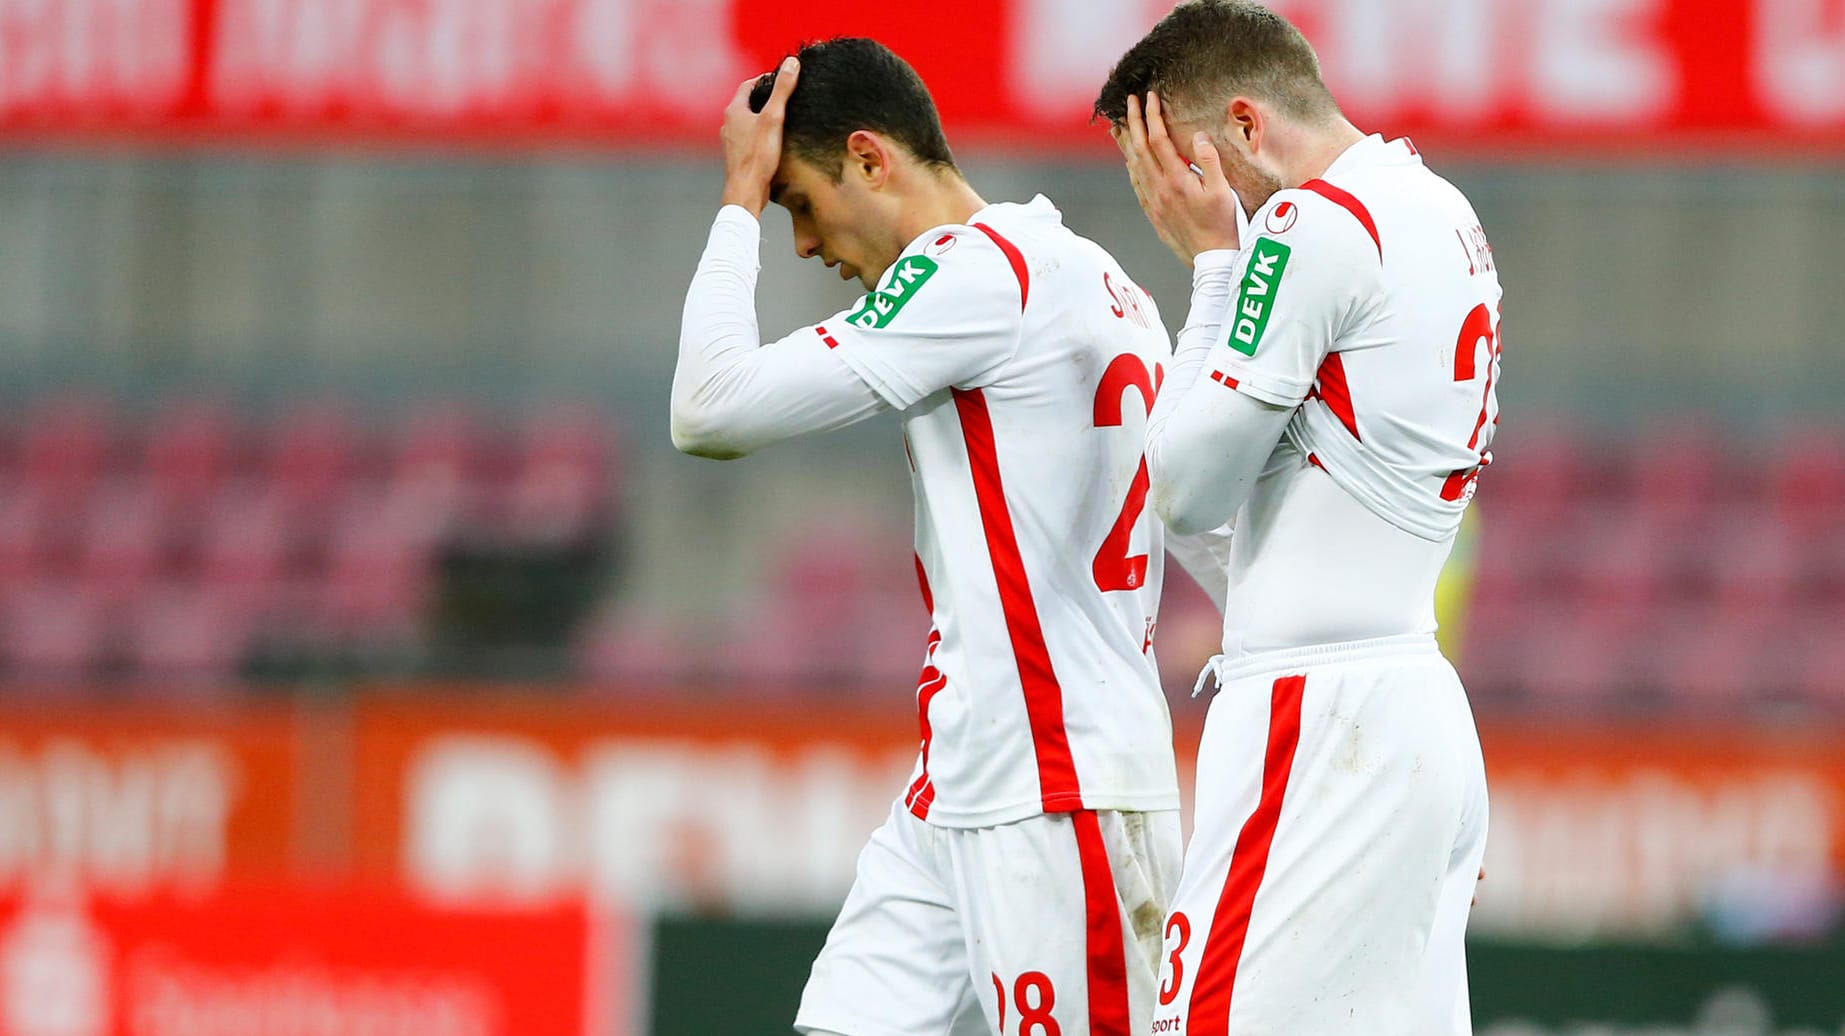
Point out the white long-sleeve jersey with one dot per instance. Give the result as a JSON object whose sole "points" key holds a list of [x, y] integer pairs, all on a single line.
{"points": [[1023, 362], [1335, 391]]}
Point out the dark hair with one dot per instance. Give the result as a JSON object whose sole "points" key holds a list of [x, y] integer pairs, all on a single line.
{"points": [[1205, 52], [848, 84]]}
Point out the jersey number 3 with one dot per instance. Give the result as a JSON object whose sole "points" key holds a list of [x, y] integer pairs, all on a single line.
{"points": [[1114, 569]]}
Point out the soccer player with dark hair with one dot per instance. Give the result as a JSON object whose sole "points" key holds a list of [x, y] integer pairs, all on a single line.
{"points": [[1020, 880], [1333, 391]]}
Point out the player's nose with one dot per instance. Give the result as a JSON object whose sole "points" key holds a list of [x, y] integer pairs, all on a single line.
{"points": [[806, 245]]}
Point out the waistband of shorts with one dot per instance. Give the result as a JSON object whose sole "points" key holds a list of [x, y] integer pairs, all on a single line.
{"points": [[1405, 645]]}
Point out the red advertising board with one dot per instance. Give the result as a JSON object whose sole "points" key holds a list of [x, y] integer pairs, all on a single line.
{"points": [[1703, 78], [284, 960]]}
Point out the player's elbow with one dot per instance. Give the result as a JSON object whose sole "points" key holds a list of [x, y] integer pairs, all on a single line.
{"points": [[1181, 515], [1181, 506], [699, 432]]}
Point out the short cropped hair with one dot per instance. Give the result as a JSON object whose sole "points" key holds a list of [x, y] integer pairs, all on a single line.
{"points": [[848, 84], [1205, 52]]}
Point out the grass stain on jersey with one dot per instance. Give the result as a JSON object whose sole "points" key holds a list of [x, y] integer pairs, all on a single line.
{"points": [[905, 279], [1268, 260]]}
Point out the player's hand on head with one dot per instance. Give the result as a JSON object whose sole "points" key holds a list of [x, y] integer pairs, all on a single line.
{"points": [[753, 140], [1192, 212]]}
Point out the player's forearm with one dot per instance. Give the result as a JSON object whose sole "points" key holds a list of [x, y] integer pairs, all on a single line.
{"points": [[717, 332], [1212, 285], [1211, 451], [733, 395], [1211, 290]]}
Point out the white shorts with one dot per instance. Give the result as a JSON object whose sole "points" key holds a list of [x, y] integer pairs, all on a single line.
{"points": [[1341, 820], [1049, 926]]}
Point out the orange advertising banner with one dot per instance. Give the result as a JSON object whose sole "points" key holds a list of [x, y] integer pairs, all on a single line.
{"points": [[132, 799], [1627, 830], [653, 800]]}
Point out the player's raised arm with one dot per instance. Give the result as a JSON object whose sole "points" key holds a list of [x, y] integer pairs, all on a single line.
{"points": [[731, 394]]}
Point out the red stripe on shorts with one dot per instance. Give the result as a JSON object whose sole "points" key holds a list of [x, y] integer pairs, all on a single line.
{"points": [[1057, 786], [1108, 988], [1223, 948]]}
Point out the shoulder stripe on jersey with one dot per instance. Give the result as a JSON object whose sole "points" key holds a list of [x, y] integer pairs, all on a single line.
{"points": [[1350, 204], [825, 336], [1057, 784], [1013, 256], [1335, 393], [1223, 948], [1107, 946]]}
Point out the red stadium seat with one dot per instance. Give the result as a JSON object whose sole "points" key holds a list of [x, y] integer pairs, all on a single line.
{"points": [[562, 480], [64, 447], [189, 454], [52, 633], [188, 636], [122, 541], [1806, 476]]}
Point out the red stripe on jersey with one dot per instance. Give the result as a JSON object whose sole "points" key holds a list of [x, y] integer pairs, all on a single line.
{"points": [[1224, 379], [929, 684], [1108, 985], [831, 343], [1349, 204], [1223, 949], [922, 583], [1013, 256], [1336, 394], [1057, 785]]}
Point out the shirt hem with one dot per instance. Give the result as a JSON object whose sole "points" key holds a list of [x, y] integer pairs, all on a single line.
{"points": [[1144, 802]]}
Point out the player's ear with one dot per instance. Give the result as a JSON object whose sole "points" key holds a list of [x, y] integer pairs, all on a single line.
{"points": [[868, 158], [1244, 124]]}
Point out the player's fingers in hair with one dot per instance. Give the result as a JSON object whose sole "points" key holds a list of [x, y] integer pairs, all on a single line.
{"points": [[1159, 144], [742, 96], [777, 104], [1136, 128]]}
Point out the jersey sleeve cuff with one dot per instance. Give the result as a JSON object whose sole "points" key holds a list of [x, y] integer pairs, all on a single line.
{"points": [[1213, 261], [1269, 388]]}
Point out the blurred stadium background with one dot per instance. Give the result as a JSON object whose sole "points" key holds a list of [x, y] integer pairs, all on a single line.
{"points": [[369, 662]]}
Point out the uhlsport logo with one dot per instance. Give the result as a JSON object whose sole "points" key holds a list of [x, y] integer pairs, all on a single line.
{"points": [[1268, 259], [902, 282], [1281, 218]]}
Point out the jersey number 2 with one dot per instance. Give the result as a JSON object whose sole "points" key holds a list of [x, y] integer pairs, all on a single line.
{"points": [[1478, 327], [1114, 569]]}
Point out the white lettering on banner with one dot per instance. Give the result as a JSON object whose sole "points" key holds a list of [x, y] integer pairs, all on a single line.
{"points": [[117, 56], [1465, 61], [488, 819], [661, 823], [1644, 854], [1603, 60], [1059, 61], [1800, 59], [119, 822], [175, 998], [1440, 54], [488, 58]]}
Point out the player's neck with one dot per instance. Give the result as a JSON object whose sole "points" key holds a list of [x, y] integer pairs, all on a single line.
{"points": [[1314, 150], [939, 199]]}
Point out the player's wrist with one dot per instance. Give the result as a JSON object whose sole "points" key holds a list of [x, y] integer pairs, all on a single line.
{"points": [[751, 198]]}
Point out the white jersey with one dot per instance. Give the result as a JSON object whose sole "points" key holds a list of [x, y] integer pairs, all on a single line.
{"points": [[1369, 299], [1024, 362]]}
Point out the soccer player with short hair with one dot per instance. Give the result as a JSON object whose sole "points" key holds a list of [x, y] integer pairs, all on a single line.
{"points": [[1021, 878], [1333, 391]]}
